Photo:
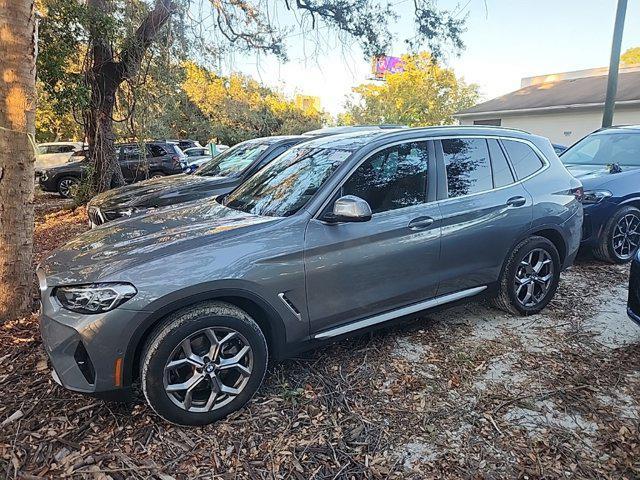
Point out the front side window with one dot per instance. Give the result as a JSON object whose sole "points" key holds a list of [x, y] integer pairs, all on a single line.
{"points": [[524, 160], [233, 161], [286, 185], [605, 149], [131, 152], [395, 177], [468, 166]]}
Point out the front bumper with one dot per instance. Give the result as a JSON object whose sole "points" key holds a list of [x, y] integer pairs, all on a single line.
{"points": [[633, 304], [87, 351], [595, 217]]}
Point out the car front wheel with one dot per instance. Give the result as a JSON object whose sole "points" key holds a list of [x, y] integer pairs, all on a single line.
{"points": [[620, 237], [203, 363], [529, 277]]}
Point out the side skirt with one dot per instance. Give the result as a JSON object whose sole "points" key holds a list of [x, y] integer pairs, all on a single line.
{"points": [[401, 312]]}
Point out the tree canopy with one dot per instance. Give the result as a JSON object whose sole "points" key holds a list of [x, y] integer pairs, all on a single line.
{"points": [[631, 56], [424, 93]]}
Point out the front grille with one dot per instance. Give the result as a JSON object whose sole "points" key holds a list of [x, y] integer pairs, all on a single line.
{"points": [[634, 288], [84, 363]]}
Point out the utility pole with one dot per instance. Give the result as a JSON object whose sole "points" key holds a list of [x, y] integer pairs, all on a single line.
{"points": [[614, 64]]}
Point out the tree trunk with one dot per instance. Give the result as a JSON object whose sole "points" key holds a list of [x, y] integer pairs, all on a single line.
{"points": [[104, 81], [17, 155]]}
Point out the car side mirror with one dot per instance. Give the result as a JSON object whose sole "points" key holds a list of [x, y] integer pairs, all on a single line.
{"points": [[350, 209]]}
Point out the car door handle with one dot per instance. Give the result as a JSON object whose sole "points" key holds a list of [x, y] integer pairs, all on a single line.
{"points": [[516, 201], [420, 223]]}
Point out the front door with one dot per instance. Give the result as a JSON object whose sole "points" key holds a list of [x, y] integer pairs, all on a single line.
{"points": [[357, 270]]}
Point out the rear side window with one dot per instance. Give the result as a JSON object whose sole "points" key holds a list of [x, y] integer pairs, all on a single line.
{"points": [[524, 160], [502, 175], [468, 167]]}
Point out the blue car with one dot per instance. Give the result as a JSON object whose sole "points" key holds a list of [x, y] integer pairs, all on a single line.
{"points": [[608, 164]]}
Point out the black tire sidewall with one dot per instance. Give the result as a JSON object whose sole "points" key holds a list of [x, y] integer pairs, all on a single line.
{"points": [[610, 229], [521, 252], [172, 335]]}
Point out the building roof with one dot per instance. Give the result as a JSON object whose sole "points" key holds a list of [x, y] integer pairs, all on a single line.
{"points": [[561, 94]]}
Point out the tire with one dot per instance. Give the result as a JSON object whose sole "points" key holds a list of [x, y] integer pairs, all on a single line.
{"points": [[608, 248], [157, 175], [68, 186], [510, 296], [194, 324]]}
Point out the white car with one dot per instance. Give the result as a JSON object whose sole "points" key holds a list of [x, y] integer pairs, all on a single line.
{"points": [[55, 153]]}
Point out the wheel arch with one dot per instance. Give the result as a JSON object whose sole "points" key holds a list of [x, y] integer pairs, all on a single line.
{"points": [[264, 314], [555, 237]]}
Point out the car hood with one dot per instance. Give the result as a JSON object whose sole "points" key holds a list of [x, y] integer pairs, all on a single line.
{"points": [[111, 248], [156, 192], [594, 176]]}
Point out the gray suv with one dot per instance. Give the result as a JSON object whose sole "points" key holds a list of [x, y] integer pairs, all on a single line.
{"points": [[336, 236]]}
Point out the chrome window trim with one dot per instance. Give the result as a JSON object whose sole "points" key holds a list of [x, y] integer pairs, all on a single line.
{"points": [[546, 165]]}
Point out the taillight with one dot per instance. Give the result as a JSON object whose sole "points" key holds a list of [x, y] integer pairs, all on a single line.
{"points": [[578, 192]]}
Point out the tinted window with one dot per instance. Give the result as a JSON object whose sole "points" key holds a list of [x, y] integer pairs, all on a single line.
{"points": [[468, 167], [156, 151], [286, 185], [393, 178], [499, 166], [131, 152], [233, 161], [605, 149], [523, 158]]}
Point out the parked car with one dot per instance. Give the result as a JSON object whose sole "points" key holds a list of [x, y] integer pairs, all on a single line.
{"points": [[336, 236], [158, 160], [559, 149], [183, 143], [196, 156], [55, 153], [608, 164], [633, 306], [220, 175], [323, 132]]}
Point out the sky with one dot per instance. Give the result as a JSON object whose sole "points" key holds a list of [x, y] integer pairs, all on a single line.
{"points": [[505, 41]]}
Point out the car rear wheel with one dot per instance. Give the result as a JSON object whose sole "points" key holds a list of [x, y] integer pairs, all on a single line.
{"points": [[620, 237], [529, 277], [157, 175], [68, 187], [203, 363]]}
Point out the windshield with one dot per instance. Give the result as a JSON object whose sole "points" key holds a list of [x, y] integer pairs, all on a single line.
{"points": [[233, 161], [286, 185], [605, 149]]}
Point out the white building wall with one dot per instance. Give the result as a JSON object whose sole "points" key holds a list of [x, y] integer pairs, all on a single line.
{"points": [[566, 127]]}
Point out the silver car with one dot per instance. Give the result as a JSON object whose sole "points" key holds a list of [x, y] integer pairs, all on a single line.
{"points": [[336, 236]]}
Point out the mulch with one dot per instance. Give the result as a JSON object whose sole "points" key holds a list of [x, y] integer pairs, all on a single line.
{"points": [[348, 411]]}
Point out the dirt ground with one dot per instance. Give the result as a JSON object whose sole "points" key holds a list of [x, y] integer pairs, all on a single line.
{"points": [[468, 392]]}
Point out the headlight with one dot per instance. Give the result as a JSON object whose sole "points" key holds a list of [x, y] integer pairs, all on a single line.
{"points": [[94, 298], [44, 175], [595, 196]]}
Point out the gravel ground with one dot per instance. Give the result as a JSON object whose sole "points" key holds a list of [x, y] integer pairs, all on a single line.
{"points": [[469, 392]]}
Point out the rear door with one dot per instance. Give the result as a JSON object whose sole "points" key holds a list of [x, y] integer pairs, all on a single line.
{"points": [[484, 211], [356, 270], [132, 162]]}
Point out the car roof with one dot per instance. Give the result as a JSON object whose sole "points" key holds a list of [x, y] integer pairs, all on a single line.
{"points": [[355, 140], [349, 128], [619, 128]]}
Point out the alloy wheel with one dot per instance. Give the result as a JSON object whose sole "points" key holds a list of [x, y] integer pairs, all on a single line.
{"points": [[68, 187], [534, 277], [208, 369], [626, 236]]}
